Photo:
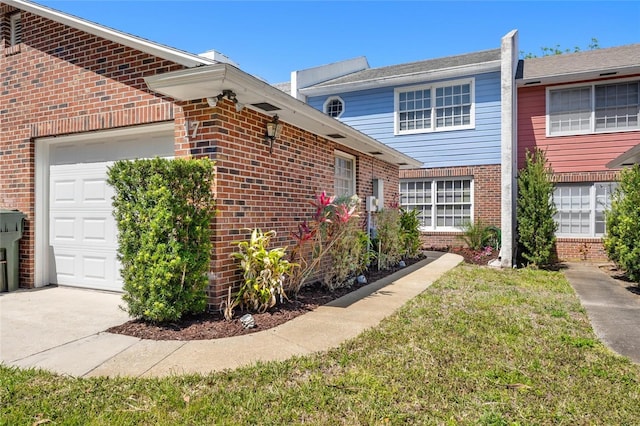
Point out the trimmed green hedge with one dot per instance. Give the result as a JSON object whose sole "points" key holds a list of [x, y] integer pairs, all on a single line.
{"points": [[163, 209]]}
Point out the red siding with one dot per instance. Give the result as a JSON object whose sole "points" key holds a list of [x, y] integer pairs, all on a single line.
{"points": [[565, 153]]}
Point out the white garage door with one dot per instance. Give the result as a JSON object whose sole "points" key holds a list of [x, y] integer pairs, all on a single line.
{"points": [[82, 230]]}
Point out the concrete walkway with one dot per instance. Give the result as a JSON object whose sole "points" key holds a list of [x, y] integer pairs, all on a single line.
{"points": [[61, 329], [613, 307]]}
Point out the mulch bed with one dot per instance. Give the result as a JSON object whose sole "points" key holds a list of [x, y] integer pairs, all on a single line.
{"points": [[212, 325]]}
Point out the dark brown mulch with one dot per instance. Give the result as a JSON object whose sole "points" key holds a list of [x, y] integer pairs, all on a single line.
{"points": [[212, 325], [476, 257]]}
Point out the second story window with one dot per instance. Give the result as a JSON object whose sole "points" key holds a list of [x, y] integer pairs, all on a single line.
{"points": [[438, 107], [15, 29], [334, 107], [593, 108]]}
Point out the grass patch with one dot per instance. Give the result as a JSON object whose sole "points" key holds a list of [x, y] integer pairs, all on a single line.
{"points": [[480, 346]]}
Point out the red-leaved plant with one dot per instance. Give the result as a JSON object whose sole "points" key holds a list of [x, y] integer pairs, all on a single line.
{"points": [[315, 238]]}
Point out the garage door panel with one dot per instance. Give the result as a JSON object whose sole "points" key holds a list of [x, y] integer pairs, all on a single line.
{"points": [[82, 229]]}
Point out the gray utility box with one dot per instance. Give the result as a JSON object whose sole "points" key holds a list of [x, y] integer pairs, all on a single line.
{"points": [[11, 228]]}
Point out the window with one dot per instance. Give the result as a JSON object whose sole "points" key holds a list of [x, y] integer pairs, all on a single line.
{"points": [[446, 106], [334, 107], [581, 208], [444, 205], [594, 108], [345, 174], [15, 27]]}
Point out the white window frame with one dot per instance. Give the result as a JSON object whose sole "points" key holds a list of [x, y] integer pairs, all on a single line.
{"points": [[330, 99], [434, 202], [352, 182], [592, 209], [592, 124], [15, 29], [432, 88]]}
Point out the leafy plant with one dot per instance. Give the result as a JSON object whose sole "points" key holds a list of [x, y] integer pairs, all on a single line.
{"points": [[536, 227], [317, 237], [163, 209], [388, 238], [348, 256], [477, 235], [622, 239], [410, 226], [263, 271]]}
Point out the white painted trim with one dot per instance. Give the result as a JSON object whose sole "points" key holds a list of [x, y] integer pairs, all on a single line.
{"points": [[165, 52], [592, 125], [334, 98], [42, 161], [414, 78], [353, 159], [432, 87]]}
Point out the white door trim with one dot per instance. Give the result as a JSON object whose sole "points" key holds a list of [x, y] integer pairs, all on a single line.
{"points": [[42, 161]]}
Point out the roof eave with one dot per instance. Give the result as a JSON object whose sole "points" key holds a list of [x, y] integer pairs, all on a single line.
{"points": [[161, 51], [413, 78], [209, 81], [579, 76], [628, 158]]}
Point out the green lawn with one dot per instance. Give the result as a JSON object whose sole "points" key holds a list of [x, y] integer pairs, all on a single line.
{"points": [[479, 347]]}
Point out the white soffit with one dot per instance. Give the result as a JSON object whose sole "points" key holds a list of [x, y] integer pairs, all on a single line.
{"points": [[211, 80]]}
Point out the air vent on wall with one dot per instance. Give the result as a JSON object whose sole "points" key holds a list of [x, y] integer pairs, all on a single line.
{"points": [[265, 106], [375, 153], [604, 74], [336, 136], [532, 82]]}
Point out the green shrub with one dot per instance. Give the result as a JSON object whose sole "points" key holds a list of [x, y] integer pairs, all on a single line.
{"points": [[410, 226], [536, 227], [348, 256], [622, 239], [388, 238], [263, 271], [476, 235], [163, 209]]}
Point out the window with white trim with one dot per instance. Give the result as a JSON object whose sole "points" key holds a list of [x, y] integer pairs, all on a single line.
{"points": [[443, 204], [344, 174], [581, 208], [593, 108], [436, 107], [15, 29], [334, 106]]}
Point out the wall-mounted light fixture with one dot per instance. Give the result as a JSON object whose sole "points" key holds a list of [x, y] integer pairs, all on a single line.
{"points": [[229, 94], [272, 131]]}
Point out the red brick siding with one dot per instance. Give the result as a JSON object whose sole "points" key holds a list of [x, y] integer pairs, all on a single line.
{"points": [[486, 203], [259, 189], [58, 81], [565, 153], [580, 249]]}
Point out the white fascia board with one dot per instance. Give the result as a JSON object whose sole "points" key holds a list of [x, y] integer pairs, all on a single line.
{"points": [[414, 78], [579, 76], [178, 56], [202, 82]]}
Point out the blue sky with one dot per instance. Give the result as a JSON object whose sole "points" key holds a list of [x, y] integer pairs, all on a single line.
{"points": [[272, 38]]}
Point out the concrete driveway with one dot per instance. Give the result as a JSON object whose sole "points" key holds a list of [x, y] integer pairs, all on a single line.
{"points": [[38, 322]]}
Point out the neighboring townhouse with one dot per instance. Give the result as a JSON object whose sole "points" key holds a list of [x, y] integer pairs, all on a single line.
{"points": [[76, 96], [583, 110], [453, 114]]}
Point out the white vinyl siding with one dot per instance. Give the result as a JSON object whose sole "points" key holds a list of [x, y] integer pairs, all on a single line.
{"points": [[436, 107], [443, 204], [593, 108], [581, 208], [344, 174]]}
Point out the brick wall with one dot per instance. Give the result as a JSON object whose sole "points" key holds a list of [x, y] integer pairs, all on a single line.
{"points": [[486, 202], [59, 81], [259, 189]]}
